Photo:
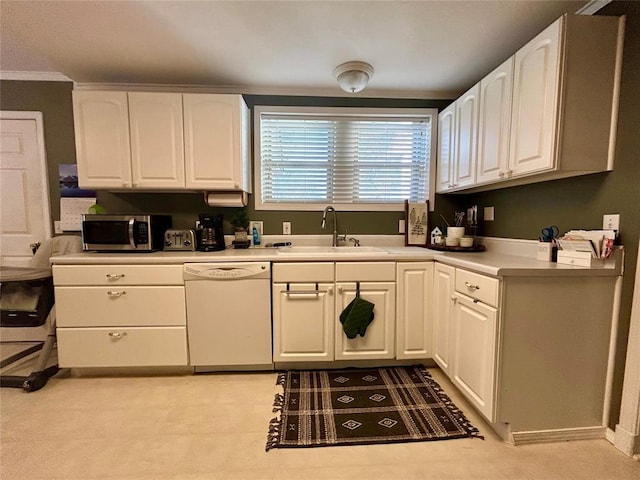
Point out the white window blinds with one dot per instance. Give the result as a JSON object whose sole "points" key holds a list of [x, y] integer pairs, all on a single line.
{"points": [[315, 159]]}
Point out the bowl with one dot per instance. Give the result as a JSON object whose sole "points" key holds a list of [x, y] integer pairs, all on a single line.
{"points": [[466, 242], [451, 241], [455, 232]]}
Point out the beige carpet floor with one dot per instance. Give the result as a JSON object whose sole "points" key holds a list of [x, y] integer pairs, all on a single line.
{"points": [[214, 427]]}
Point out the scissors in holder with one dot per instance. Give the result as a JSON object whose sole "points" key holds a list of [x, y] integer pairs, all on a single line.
{"points": [[549, 233]]}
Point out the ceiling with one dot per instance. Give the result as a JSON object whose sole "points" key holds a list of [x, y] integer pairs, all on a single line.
{"points": [[419, 49]]}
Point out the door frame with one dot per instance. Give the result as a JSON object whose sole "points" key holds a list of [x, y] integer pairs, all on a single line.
{"points": [[44, 171]]}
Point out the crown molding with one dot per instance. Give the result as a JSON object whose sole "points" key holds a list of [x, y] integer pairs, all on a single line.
{"points": [[34, 76], [279, 91], [593, 6]]}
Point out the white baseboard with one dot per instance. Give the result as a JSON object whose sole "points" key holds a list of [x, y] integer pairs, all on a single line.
{"points": [[561, 435], [627, 442]]}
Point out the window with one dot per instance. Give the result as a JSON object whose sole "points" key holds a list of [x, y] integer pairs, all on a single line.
{"points": [[353, 159]]}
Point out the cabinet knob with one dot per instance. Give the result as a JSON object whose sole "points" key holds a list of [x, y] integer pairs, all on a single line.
{"points": [[116, 293], [117, 334], [454, 299], [330, 290], [126, 184], [501, 174]]}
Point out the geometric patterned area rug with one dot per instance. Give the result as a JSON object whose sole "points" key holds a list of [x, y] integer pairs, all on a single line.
{"points": [[363, 406]]}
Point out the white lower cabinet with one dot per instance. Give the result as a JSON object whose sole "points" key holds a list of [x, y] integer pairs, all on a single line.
{"points": [[308, 299], [120, 315], [414, 310], [443, 288]]}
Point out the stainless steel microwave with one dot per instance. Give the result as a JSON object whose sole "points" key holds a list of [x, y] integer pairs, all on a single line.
{"points": [[117, 233]]}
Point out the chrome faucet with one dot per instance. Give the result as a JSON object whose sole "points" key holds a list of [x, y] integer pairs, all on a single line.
{"points": [[323, 224]]}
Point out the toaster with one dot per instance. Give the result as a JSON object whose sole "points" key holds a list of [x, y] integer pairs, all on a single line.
{"points": [[184, 240]]}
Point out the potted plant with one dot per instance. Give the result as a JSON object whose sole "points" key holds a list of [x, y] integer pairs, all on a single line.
{"points": [[240, 222]]}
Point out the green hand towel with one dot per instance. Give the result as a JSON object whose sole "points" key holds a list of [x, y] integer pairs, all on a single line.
{"points": [[356, 317]]}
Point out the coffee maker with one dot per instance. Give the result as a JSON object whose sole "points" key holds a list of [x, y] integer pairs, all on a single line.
{"points": [[210, 233]]}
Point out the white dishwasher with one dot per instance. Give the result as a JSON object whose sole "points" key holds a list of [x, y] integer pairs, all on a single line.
{"points": [[229, 315]]}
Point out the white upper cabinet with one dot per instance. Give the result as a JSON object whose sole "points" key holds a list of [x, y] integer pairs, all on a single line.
{"points": [[101, 122], [494, 123], [464, 172], [446, 148], [549, 112], [162, 141], [157, 147], [535, 97], [216, 142]]}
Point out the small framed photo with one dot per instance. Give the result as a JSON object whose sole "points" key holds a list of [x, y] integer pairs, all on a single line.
{"points": [[416, 224]]}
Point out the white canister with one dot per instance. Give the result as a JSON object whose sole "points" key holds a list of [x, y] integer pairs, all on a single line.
{"points": [[455, 232], [466, 241], [452, 241]]}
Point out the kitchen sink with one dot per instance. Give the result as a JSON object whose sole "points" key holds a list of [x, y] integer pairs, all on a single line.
{"points": [[313, 250]]}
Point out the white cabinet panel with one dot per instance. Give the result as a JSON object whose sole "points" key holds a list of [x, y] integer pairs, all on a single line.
{"points": [[446, 148], [101, 122], [535, 97], [303, 322], [475, 332], [443, 288], [464, 173], [378, 342], [157, 145], [494, 124], [84, 275], [414, 310], [122, 347]]}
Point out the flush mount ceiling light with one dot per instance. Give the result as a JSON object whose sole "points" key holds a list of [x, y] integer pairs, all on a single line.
{"points": [[353, 76]]}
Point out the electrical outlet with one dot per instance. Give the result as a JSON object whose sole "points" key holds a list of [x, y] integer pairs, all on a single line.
{"points": [[400, 226], [611, 221], [197, 224], [286, 228], [257, 224], [489, 214], [57, 227]]}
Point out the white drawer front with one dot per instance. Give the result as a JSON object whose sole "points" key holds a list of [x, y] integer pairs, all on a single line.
{"points": [[303, 272], [478, 287], [117, 275], [366, 272], [122, 347], [120, 306]]}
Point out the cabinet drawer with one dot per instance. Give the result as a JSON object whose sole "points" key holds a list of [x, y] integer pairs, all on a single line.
{"points": [[122, 347], [366, 272], [120, 306], [478, 287], [117, 275], [303, 272]]}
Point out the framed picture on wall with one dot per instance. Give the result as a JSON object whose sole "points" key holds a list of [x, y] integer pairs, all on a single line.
{"points": [[416, 224]]}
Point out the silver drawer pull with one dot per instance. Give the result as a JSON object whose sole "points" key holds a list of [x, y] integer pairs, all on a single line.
{"points": [[304, 292], [116, 293], [471, 286], [115, 276], [117, 334]]}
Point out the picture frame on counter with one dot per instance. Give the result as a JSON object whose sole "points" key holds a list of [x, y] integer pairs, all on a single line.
{"points": [[416, 223]]}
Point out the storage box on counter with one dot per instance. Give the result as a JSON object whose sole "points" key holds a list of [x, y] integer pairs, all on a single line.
{"points": [[580, 259]]}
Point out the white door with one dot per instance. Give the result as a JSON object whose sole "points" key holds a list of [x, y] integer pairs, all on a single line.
{"points": [[157, 141], [25, 216], [494, 124], [474, 352], [302, 322], [466, 138], [443, 287], [212, 129], [378, 341], [414, 310], [536, 81], [446, 148]]}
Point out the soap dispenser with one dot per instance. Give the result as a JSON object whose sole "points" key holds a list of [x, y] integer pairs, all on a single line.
{"points": [[256, 237]]}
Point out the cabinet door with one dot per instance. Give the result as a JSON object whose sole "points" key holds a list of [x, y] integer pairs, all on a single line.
{"points": [[535, 99], [443, 287], [101, 122], [213, 141], [157, 146], [446, 148], [414, 310], [378, 342], [494, 124], [302, 322], [474, 359], [464, 172]]}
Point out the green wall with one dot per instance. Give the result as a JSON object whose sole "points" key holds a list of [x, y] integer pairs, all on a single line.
{"points": [[520, 212]]}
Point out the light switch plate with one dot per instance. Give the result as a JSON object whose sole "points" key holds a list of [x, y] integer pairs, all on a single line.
{"points": [[611, 221], [286, 228], [489, 214], [401, 226]]}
